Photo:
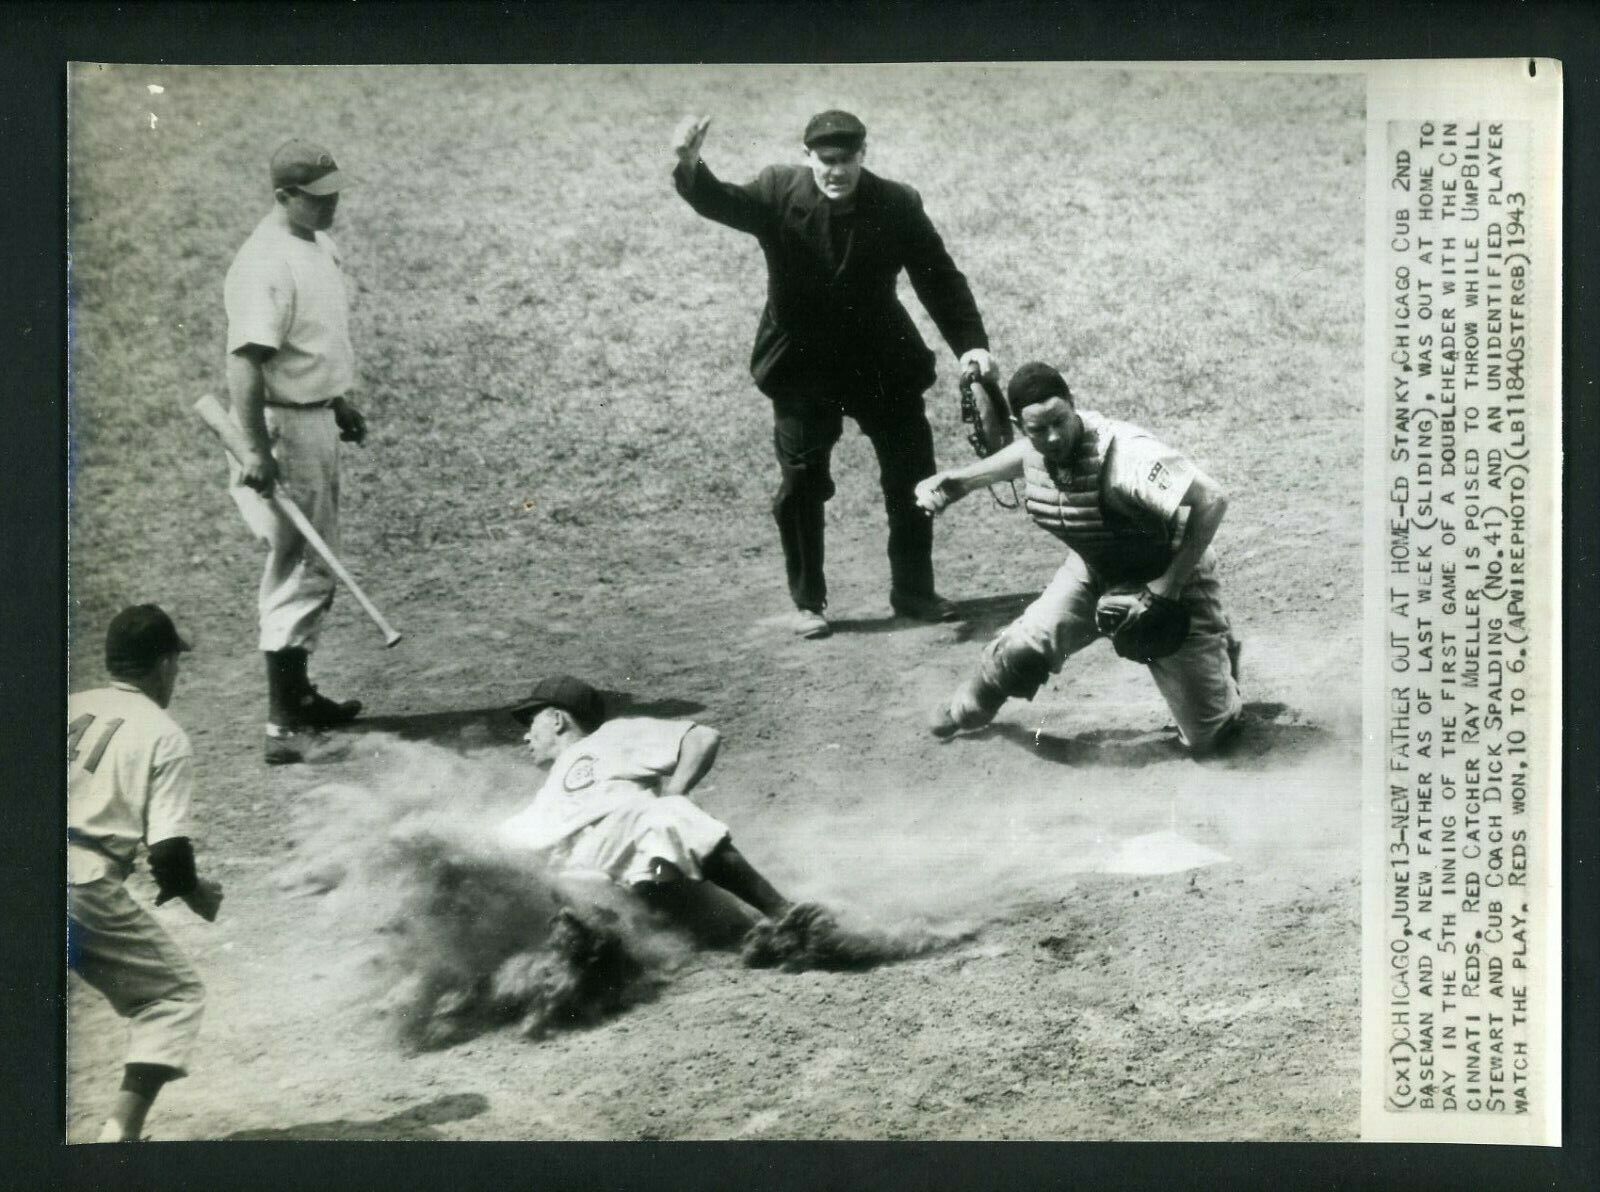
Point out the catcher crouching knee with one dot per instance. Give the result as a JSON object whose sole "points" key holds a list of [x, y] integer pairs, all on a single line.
{"points": [[1138, 519]]}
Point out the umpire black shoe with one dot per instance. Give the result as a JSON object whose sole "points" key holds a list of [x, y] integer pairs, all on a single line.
{"points": [[923, 606], [315, 710]]}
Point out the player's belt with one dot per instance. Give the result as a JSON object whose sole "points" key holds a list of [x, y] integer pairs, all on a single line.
{"points": [[300, 405], [124, 866]]}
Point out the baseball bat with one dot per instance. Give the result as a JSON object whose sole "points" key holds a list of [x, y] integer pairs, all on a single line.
{"points": [[237, 444]]}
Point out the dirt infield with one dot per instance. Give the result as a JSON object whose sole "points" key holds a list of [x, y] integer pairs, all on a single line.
{"points": [[569, 470]]}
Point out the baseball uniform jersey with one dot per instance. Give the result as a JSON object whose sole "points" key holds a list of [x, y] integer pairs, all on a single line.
{"points": [[599, 810], [128, 780], [287, 293]]}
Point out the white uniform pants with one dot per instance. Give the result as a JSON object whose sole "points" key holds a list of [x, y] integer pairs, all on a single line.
{"points": [[119, 948], [1197, 681], [296, 586], [623, 844]]}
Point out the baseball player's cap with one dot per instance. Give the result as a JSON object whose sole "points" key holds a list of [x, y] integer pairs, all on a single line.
{"points": [[139, 637], [307, 167], [1035, 382], [571, 695], [834, 127]]}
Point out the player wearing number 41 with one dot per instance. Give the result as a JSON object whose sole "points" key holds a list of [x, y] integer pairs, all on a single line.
{"points": [[129, 784], [290, 367], [1139, 519], [834, 340]]}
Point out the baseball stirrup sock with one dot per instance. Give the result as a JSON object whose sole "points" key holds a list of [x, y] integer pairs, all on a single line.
{"points": [[282, 693], [146, 1080], [727, 867]]}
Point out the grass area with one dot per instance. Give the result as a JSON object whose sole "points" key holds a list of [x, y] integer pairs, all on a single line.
{"points": [[553, 347]]}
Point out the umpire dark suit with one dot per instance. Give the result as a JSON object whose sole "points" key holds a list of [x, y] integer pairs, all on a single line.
{"points": [[834, 340]]}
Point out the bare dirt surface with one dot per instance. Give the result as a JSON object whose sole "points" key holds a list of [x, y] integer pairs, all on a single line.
{"points": [[1215, 1002], [1141, 946]]}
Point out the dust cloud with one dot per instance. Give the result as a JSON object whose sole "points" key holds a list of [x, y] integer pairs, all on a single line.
{"points": [[451, 934], [458, 934], [1007, 824]]}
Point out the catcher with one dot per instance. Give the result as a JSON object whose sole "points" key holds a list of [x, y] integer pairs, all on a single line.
{"points": [[1138, 518]]}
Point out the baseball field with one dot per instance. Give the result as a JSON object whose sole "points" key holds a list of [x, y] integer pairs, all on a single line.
{"points": [[569, 470]]}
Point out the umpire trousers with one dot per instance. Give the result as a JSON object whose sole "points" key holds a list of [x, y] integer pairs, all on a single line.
{"points": [[804, 432]]}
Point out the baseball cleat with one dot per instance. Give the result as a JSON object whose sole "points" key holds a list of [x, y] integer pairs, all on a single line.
{"points": [[316, 710], [945, 721], [942, 723], [287, 748], [929, 607], [809, 623], [795, 940]]}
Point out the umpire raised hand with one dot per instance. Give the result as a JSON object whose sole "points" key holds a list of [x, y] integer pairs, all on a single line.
{"points": [[834, 340]]}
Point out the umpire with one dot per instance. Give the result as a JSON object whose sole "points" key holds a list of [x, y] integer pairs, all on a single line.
{"points": [[834, 340]]}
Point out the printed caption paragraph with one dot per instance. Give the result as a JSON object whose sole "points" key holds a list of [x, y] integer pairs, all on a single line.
{"points": [[1460, 837]]}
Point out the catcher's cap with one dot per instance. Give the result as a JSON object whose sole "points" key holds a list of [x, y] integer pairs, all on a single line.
{"points": [[834, 127], [139, 637], [1035, 382], [304, 166], [574, 696]]}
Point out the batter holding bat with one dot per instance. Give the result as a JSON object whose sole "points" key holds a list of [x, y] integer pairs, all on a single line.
{"points": [[1138, 519], [290, 367]]}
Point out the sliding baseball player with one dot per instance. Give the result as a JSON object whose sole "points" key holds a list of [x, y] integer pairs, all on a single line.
{"points": [[290, 367], [1138, 519], [615, 806]]}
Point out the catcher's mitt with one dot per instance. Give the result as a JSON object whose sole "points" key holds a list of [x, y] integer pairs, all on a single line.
{"points": [[1141, 625], [984, 410]]}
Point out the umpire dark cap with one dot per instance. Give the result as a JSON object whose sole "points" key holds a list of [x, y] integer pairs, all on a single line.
{"points": [[1035, 382], [300, 165], [139, 637], [573, 696], [834, 127]]}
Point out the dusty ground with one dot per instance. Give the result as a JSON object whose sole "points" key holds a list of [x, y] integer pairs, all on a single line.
{"points": [[542, 493]]}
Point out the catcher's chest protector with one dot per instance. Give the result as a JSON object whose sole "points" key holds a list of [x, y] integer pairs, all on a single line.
{"points": [[1071, 506]]}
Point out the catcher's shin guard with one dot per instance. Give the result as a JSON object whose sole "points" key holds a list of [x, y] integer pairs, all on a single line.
{"points": [[1013, 668], [1008, 668]]}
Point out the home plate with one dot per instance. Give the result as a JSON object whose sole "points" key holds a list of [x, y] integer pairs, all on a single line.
{"points": [[1159, 852]]}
